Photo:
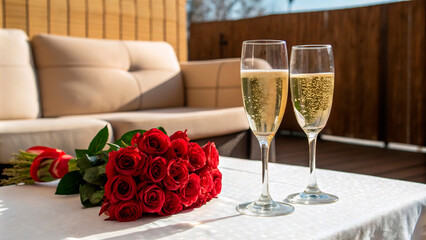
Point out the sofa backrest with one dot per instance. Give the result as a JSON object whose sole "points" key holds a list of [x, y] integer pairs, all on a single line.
{"points": [[82, 76], [18, 88]]}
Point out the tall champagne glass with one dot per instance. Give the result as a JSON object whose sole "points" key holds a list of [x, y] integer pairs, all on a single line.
{"points": [[264, 78], [312, 84]]}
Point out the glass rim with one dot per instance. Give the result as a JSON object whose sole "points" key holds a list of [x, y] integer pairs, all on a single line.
{"points": [[312, 46], [264, 41]]}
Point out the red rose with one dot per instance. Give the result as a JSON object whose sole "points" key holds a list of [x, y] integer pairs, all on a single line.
{"points": [[177, 174], [202, 199], [180, 135], [178, 149], [154, 142], [190, 192], [135, 139], [157, 169], [39, 169], [37, 150], [120, 188], [126, 161], [151, 197], [125, 211], [172, 204], [196, 157], [212, 155], [59, 166], [217, 180], [206, 181]]}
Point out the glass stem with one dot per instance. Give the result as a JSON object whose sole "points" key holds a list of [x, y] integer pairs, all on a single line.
{"points": [[312, 187], [265, 197]]}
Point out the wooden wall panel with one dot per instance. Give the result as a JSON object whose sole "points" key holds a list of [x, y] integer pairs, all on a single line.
{"points": [[58, 17], [160, 20], [37, 17], [182, 32], [128, 20], [77, 21], [144, 20], [171, 22], [112, 19], [15, 14], [397, 85], [157, 21], [95, 19], [1, 14], [417, 72], [379, 52]]}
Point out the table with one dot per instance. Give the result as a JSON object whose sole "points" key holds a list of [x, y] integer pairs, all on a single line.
{"points": [[369, 208]]}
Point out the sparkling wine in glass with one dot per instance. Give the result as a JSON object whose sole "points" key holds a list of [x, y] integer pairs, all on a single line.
{"points": [[264, 79], [312, 84]]}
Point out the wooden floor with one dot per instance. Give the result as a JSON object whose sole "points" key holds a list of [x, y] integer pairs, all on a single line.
{"points": [[345, 157]]}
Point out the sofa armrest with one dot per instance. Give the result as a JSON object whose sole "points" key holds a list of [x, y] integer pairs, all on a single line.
{"points": [[212, 83]]}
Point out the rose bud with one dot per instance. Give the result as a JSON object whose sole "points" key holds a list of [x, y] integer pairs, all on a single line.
{"points": [[37, 150], [154, 142], [126, 161], [151, 197], [206, 181], [196, 157], [157, 169], [178, 149], [125, 211], [179, 135], [59, 166], [217, 180], [172, 204], [212, 155], [41, 170], [190, 192], [177, 174], [120, 188]]}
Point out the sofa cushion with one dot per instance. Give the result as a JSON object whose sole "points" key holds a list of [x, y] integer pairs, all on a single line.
{"points": [[220, 85], [66, 134], [18, 88], [200, 122], [82, 76]]}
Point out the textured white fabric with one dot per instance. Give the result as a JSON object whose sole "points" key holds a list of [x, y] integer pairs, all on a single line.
{"points": [[369, 208]]}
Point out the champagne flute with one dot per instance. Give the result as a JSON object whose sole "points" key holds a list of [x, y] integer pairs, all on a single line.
{"points": [[312, 84], [264, 78]]}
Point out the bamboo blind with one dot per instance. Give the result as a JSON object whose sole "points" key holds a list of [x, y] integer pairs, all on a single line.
{"points": [[149, 20]]}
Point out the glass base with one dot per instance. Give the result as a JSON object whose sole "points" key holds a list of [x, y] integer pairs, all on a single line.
{"points": [[312, 198], [270, 209]]}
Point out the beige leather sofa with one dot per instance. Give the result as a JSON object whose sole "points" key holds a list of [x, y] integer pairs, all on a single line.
{"points": [[59, 91]]}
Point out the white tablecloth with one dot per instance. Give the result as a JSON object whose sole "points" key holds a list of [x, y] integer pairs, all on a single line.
{"points": [[369, 208]]}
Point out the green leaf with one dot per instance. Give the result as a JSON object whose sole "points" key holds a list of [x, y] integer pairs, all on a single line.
{"points": [[69, 184], [113, 147], [162, 129], [103, 158], [91, 175], [83, 163], [86, 193], [99, 141], [81, 153], [101, 169], [126, 139], [86, 190], [96, 197], [72, 165]]}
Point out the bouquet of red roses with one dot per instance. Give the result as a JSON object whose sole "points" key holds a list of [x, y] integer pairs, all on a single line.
{"points": [[159, 174]]}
